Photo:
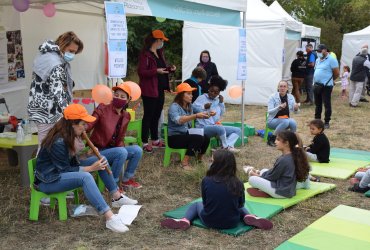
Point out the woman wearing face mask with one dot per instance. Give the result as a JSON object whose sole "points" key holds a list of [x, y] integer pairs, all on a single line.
{"points": [[108, 134], [298, 69], [209, 67], [51, 87], [153, 73]]}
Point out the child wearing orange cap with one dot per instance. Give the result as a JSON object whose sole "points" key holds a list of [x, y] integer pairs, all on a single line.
{"points": [[58, 168], [108, 132]]}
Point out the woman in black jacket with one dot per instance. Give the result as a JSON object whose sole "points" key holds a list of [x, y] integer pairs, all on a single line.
{"points": [[298, 69], [209, 67]]}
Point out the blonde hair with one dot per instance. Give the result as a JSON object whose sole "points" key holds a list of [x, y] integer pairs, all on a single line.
{"points": [[66, 39]]}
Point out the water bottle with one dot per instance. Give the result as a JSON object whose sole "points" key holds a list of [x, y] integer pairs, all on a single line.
{"points": [[27, 130], [20, 133]]}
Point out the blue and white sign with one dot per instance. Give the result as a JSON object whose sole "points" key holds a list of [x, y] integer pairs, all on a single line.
{"points": [[117, 58], [242, 58]]}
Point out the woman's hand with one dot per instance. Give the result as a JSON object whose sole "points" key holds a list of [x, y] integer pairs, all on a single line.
{"points": [[296, 106], [207, 105], [162, 71], [201, 115], [212, 113], [282, 106], [253, 173], [173, 68], [99, 165]]}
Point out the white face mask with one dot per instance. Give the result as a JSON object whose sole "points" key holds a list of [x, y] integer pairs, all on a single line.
{"points": [[320, 55], [161, 45]]}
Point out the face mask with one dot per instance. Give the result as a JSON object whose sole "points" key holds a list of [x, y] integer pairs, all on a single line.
{"points": [[320, 55], [118, 103], [160, 46], [68, 56], [205, 59]]}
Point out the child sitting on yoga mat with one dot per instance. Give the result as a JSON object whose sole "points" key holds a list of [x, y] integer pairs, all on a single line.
{"points": [[223, 199], [319, 149], [361, 182], [291, 167]]}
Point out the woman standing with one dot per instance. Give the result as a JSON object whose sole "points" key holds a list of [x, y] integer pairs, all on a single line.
{"points": [[209, 67], [51, 87], [58, 168], [153, 73], [180, 118]]}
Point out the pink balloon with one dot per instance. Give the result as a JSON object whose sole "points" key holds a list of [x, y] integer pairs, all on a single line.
{"points": [[102, 94], [21, 5], [235, 91], [135, 90], [49, 10]]}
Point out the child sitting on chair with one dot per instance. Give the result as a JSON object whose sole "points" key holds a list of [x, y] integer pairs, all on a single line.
{"points": [[223, 199], [319, 149], [281, 180]]}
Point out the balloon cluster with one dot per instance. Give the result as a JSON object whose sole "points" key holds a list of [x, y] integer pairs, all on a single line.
{"points": [[103, 94], [23, 5]]}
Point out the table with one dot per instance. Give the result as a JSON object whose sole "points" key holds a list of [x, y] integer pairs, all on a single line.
{"points": [[24, 151]]}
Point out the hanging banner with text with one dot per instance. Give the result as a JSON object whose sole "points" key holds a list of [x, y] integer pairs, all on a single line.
{"points": [[242, 58], [116, 39]]}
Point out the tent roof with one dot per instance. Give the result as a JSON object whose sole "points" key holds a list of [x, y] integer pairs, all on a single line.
{"points": [[364, 33], [257, 11], [310, 31], [290, 22]]}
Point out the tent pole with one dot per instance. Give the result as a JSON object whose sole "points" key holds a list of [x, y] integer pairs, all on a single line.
{"points": [[243, 86]]}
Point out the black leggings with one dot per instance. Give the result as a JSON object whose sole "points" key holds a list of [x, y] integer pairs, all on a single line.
{"points": [[152, 112], [193, 143]]}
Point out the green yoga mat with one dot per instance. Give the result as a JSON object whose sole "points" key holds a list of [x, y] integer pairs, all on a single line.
{"points": [[302, 194], [350, 154], [259, 209], [338, 168], [342, 228]]}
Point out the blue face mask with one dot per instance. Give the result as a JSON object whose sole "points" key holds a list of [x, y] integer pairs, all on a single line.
{"points": [[68, 56]]}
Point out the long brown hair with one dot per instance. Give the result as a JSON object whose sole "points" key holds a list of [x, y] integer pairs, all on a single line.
{"points": [[299, 155], [63, 129], [66, 39], [179, 99]]}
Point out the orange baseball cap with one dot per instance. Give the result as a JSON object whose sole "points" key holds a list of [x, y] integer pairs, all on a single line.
{"points": [[184, 87], [159, 35], [124, 87], [77, 112]]}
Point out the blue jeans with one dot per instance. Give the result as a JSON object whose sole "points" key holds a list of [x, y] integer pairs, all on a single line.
{"points": [[133, 155], [72, 180], [308, 80], [196, 208], [227, 134], [280, 124]]}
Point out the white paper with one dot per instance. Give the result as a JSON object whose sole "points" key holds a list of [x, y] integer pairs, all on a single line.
{"points": [[196, 131], [128, 213]]}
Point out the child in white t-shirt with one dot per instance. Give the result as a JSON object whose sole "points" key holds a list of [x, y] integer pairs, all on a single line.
{"points": [[344, 81]]}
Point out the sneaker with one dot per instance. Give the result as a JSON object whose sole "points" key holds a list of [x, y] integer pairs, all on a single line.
{"points": [[116, 225], [70, 195], [363, 100], [131, 184], [257, 222], [148, 148], [326, 125], [356, 188], [158, 144], [233, 150], [181, 224], [124, 200], [45, 201]]}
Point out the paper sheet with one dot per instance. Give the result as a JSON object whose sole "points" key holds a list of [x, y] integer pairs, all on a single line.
{"points": [[128, 213]]}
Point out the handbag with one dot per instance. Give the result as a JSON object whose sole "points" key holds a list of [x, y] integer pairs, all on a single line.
{"points": [[318, 86]]}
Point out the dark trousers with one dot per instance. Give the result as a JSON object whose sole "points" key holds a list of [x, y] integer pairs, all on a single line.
{"points": [[193, 143], [308, 81], [152, 112], [323, 95]]}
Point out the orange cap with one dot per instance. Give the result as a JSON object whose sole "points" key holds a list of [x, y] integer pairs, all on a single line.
{"points": [[159, 35], [77, 112], [124, 87], [184, 87]]}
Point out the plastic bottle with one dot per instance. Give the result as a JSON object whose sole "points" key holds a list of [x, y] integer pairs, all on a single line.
{"points": [[20, 133], [27, 130]]}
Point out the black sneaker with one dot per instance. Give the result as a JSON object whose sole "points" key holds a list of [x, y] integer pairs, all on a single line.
{"points": [[356, 188], [327, 125], [363, 100]]}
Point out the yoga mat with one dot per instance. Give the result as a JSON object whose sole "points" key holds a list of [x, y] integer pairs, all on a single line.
{"points": [[302, 194], [342, 228], [350, 154], [259, 209], [337, 168]]}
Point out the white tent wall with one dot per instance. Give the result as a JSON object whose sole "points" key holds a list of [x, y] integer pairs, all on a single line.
{"points": [[264, 56], [290, 50], [87, 68], [351, 45]]}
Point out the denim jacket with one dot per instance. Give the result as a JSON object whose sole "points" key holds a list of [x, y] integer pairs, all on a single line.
{"points": [[216, 106], [274, 102], [174, 113], [51, 163]]}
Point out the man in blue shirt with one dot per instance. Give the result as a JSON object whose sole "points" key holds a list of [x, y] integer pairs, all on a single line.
{"points": [[326, 71]]}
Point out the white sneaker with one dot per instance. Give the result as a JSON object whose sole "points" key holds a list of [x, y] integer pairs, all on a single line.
{"points": [[124, 200], [70, 195], [116, 225], [45, 201]]}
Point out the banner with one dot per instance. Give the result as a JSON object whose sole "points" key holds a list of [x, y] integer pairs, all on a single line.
{"points": [[116, 39], [242, 58]]}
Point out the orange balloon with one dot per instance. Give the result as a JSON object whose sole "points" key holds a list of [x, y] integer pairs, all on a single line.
{"points": [[235, 91], [135, 90], [102, 94]]}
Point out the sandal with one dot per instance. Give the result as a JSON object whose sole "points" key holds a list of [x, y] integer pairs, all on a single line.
{"points": [[255, 192], [315, 179], [186, 167]]}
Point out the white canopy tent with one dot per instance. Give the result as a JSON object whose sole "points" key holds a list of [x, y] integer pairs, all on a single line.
{"points": [[352, 43], [265, 42], [85, 18], [292, 38]]}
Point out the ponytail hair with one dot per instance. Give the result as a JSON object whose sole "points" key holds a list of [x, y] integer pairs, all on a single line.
{"points": [[299, 155]]}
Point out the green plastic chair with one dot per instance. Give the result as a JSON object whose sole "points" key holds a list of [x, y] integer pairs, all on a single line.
{"points": [[168, 151], [267, 129], [36, 196], [134, 126]]}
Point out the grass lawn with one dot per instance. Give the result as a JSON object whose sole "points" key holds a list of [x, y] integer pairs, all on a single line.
{"points": [[167, 188]]}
